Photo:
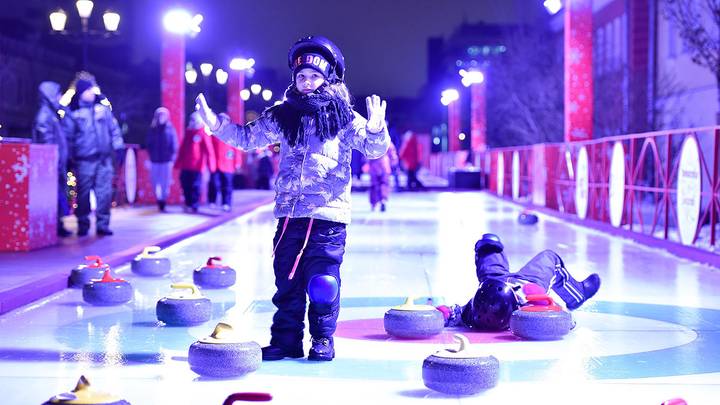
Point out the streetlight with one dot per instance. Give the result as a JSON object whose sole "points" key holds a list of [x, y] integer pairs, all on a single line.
{"points": [[255, 89], [242, 63], [111, 22], [552, 6], [470, 77], [450, 99], [448, 96], [180, 21], [221, 76], [206, 69], [267, 94], [245, 94]]}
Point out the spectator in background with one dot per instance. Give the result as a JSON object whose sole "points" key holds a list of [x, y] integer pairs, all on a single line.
{"points": [[379, 170], [410, 154], [196, 154], [162, 146], [50, 127], [227, 161], [94, 139], [265, 169]]}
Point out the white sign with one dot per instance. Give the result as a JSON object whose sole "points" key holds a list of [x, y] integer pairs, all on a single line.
{"points": [[581, 184], [617, 184], [130, 175], [515, 175], [689, 184], [500, 174]]}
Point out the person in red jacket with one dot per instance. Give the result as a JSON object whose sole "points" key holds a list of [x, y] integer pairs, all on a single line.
{"points": [[228, 160], [196, 154], [410, 154]]}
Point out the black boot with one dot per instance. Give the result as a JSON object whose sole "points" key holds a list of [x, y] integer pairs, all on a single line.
{"points": [[323, 349], [271, 353], [161, 205], [574, 292], [489, 243]]}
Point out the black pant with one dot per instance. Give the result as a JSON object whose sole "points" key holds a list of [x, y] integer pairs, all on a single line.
{"points": [[63, 206], [220, 182], [322, 256], [190, 181], [412, 180], [94, 175]]}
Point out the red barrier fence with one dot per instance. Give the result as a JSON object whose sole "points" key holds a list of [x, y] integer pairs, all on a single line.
{"points": [[663, 184]]}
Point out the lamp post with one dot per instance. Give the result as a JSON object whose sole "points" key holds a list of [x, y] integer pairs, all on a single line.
{"points": [[236, 92], [451, 99], [178, 23], [111, 22], [475, 79]]}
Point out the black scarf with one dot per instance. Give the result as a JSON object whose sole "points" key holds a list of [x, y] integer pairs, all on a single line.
{"points": [[331, 114]]}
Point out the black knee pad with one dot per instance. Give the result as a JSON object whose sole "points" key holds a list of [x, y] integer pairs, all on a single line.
{"points": [[323, 289]]}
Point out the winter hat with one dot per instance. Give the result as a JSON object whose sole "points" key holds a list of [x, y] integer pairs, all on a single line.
{"points": [[81, 85], [313, 61]]}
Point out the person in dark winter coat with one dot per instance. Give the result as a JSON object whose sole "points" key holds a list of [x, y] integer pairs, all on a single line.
{"points": [[265, 169], [94, 141], [162, 146], [50, 126], [501, 292], [227, 161], [196, 154], [317, 129], [411, 155]]}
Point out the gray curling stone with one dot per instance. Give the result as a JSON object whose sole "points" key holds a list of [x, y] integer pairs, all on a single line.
{"points": [[460, 372], [107, 291], [147, 264], [542, 319], [83, 394], [214, 275], [527, 218], [82, 274], [412, 321], [223, 355], [182, 309]]}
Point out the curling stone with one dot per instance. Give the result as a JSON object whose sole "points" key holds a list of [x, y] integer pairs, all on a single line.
{"points": [[412, 321], [183, 309], [107, 291], [541, 319], [82, 274], [527, 218], [214, 275], [83, 394], [460, 372], [147, 264], [222, 354]]}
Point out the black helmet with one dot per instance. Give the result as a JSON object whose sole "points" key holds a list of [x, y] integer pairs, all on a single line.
{"points": [[492, 305], [326, 48]]}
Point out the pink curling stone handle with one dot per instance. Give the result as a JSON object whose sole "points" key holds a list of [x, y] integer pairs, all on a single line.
{"points": [[98, 261], [540, 303], [107, 278], [210, 261], [675, 401], [248, 396]]}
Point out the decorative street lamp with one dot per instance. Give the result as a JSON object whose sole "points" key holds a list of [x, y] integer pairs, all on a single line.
{"points": [[451, 99], [475, 79], [111, 22], [237, 94]]}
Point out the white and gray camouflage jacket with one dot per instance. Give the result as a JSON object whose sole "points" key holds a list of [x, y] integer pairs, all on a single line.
{"points": [[314, 178]]}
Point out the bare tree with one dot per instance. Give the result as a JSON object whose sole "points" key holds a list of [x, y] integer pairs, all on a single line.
{"points": [[698, 23], [525, 101]]}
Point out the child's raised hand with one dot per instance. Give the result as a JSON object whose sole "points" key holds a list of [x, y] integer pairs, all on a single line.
{"points": [[376, 113], [207, 115]]}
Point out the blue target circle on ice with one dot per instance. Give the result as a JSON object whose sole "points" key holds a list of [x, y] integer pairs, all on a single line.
{"points": [[613, 340]]}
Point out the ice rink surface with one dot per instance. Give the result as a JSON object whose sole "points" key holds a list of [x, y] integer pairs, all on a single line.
{"points": [[652, 332]]}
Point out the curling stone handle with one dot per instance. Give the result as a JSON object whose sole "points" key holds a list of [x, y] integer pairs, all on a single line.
{"points": [[96, 259], [211, 259], [540, 299], [186, 286], [463, 340], [410, 300], [148, 251], [222, 330], [248, 396]]}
